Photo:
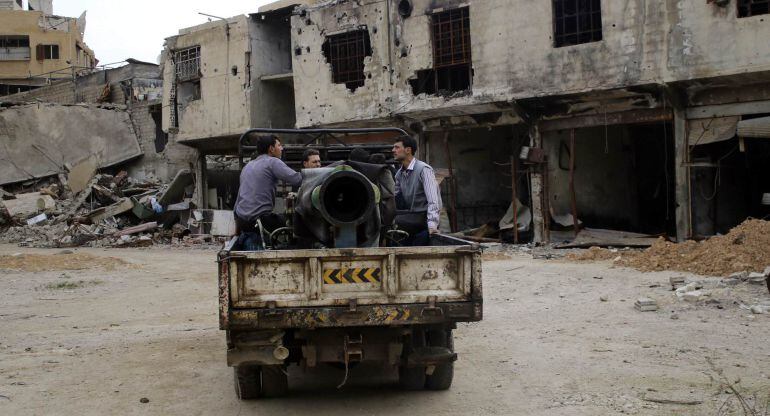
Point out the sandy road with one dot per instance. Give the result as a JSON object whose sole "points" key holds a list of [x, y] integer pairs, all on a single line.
{"points": [[548, 345]]}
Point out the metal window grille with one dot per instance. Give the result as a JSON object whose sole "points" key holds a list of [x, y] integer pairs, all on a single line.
{"points": [[748, 8], [577, 21], [451, 38], [187, 63], [345, 53]]}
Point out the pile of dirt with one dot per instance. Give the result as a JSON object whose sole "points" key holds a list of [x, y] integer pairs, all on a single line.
{"points": [[593, 254], [745, 248], [48, 262]]}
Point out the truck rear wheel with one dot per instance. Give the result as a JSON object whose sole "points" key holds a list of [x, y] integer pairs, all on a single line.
{"points": [[275, 382], [442, 376], [412, 378], [247, 382]]}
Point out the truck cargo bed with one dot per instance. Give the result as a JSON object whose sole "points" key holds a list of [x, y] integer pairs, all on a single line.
{"points": [[357, 286]]}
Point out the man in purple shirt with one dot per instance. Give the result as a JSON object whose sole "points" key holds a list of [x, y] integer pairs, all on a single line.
{"points": [[259, 178]]}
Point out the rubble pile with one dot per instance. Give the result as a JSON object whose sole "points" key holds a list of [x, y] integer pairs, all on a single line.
{"points": [[105, 211], [745, 249]]}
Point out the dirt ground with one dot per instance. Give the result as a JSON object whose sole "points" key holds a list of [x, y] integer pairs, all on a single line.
{"points": [[548, 345]]}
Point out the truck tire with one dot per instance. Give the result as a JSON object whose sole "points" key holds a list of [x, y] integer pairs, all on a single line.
{"points": [[275, 382], [412, 378], [247, 382], [442, 376]]}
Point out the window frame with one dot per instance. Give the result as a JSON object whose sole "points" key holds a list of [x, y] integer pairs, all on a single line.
{"points": [[187, 63], [561, 36], [349, 68], [15, 43], [747, 5]]}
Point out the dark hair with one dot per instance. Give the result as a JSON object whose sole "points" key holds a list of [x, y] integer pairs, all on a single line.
{"points": [[377, 159], [408, 141], [264, 143], [308, 153], [359, 154]]}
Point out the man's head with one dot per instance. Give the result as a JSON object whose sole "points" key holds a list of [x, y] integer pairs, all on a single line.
{"points": [[405, 148], [269, 145], [311, 159], [359, 154]]}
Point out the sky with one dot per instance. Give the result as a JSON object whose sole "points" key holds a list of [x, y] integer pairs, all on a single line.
{"points": [[121, 29]]}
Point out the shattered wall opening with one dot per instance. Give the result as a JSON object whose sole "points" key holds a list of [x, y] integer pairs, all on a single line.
{"points": [[452, 59], [623, 177], [474, 165], [730, 181], [345, 53], [576, 22], [748, 8]]}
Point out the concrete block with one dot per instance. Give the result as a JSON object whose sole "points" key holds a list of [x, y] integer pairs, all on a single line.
{"points": [[26, 205], [646, 305], [82, 173]]}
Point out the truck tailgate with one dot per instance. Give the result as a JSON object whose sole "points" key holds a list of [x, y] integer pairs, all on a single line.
{"points": [[335, 277]]}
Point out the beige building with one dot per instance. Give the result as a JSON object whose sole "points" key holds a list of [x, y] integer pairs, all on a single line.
{"points": [[37, 47]]}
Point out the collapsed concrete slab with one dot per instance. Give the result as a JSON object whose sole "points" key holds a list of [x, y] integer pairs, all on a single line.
{"points": [[41, 140]]}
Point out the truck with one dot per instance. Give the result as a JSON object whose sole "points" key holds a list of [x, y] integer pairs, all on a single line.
{"points": [[309, 306]]}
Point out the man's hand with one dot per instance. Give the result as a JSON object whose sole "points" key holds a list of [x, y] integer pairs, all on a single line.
{"points": [[433, 231]]}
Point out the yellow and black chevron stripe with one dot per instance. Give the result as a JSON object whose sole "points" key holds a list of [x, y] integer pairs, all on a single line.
{"points": [[398, 315], [349, 276]]}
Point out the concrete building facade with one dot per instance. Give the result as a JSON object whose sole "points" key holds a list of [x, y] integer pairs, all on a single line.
{"points": [[607, 100], [37, 47]]}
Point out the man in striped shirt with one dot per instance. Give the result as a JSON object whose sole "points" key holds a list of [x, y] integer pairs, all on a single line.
{"points": [[416, 192]]}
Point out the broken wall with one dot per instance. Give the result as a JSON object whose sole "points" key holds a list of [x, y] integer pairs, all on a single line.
{"points": [[644, 42], [272, 91], [41, 140]]}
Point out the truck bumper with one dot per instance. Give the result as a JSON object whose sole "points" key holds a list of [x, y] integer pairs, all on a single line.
{"points": [[361, 316]]}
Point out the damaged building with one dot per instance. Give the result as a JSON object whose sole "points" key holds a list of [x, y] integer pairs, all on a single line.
{"points": [[221, 78], [135, 88], [640, 116], [38, 47]]}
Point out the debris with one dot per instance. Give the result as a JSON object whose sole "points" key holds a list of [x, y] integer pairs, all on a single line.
{"points": [[692, 286], [594, 237], [744, 248], [81, 174], [214, 222], [37, 219], [26, 205], [665, 400], [757, 278], [99, 214], [107, 208], [760, 309], [676, 282], [604, 298], [176, 189], [138, 229], [646, 305], [693, 296]]}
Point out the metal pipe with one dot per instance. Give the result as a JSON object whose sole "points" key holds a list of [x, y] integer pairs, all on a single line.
{"points": [[514, 203], [573, 197]]}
